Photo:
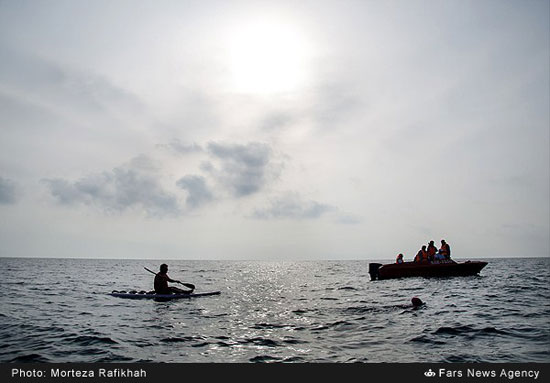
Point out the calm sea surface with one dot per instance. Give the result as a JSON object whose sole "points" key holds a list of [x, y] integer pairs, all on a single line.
{"points": [[58, 310]]}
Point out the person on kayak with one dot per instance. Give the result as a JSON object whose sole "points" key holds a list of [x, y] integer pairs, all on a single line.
{"points": [[445, 249], [431, 251], [161, 283], [399, 259]]}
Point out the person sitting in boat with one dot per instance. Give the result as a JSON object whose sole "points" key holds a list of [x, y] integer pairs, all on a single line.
{"points": [[431, 251], [399, 258], [161, 283], [422, 255], [445, 249]]}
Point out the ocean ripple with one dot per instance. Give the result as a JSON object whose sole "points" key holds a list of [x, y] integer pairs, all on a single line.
{"points": [[293, 312]]}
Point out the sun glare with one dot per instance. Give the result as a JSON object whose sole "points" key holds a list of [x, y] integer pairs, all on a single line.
{"points": [[266, 57]]}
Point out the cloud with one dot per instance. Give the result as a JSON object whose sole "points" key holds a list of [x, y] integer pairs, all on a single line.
{"points": [[348, 219], [7, 191], [244, 168], [123, 188], [65, 90], [336, 102], [198, 192], [178, 147], [291, 205], [277, 120]]}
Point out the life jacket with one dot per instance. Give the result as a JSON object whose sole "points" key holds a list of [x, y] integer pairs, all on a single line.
{"points": [[432, 250], [444, 249], [421, 256]]}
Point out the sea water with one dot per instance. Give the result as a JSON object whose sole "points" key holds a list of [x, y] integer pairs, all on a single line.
{"points": [[58, 310]]}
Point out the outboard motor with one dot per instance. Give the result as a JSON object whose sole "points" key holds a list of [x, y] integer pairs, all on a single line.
{"points": [[373, 270]]}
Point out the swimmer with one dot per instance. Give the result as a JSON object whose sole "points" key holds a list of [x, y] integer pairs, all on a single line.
{"points": [[416, 302]]}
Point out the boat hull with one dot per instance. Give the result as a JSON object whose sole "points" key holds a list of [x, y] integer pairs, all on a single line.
{"points": [[160, 297], [413, 269]]}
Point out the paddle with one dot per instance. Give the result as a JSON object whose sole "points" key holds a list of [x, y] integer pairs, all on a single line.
{"points": [[189, 285]]}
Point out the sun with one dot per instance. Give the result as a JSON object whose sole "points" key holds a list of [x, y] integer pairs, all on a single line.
{"points": [[267, 57]]}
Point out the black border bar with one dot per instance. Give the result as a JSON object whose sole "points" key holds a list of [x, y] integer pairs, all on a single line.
{"points": [[374, 372]]}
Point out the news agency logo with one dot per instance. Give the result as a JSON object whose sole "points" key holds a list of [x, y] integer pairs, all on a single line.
{"points": [[429, 373]]}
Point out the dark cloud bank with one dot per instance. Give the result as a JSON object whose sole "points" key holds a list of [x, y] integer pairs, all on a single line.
{"points": [[237, 170], [244, 168], [116, 191], [198, 193]]}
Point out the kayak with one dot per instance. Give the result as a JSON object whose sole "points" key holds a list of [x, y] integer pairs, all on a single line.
{"points": [[415, 269], [149, 295]]}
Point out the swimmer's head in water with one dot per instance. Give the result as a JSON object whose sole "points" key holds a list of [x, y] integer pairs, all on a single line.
{"points": [[416, 302]]}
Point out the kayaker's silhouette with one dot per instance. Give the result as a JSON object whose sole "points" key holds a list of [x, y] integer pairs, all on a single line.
{"points": [[162, 279]]}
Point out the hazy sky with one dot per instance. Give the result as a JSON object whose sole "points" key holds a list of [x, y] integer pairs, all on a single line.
{"points": [[274, 130]]}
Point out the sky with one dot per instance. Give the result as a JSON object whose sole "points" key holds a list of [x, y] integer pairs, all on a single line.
{"points": [[287, 130]]}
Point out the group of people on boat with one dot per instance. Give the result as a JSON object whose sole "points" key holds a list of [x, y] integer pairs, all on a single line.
{"points": [[430, 254]]}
